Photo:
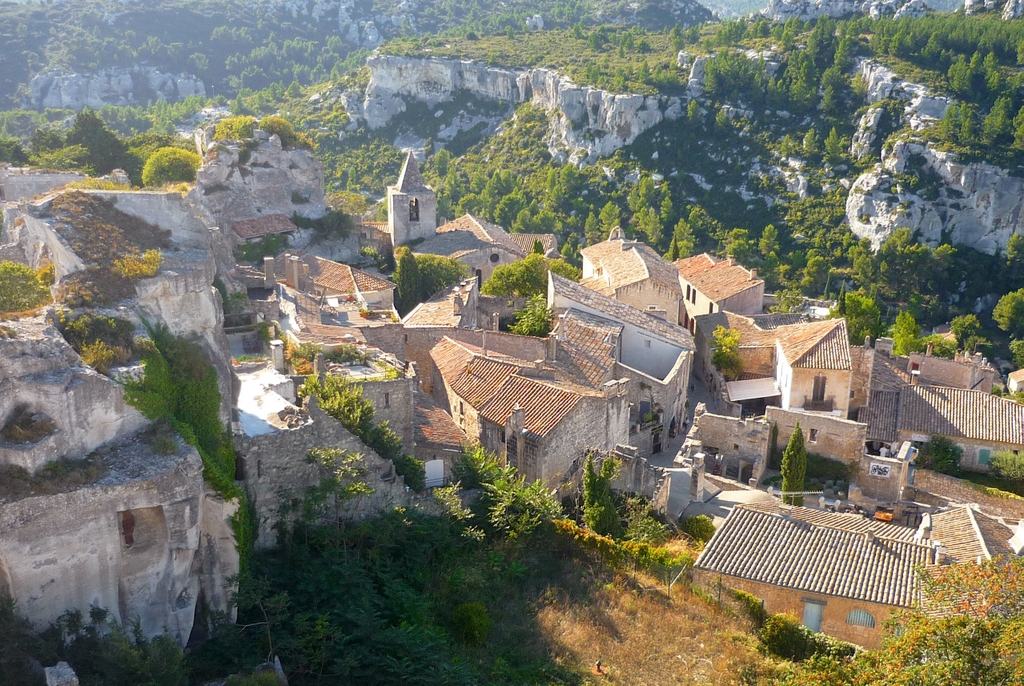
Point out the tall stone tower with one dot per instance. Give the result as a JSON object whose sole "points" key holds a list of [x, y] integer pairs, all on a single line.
{"points": [[412, 206]]}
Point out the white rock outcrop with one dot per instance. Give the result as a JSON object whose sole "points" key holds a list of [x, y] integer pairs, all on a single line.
{"points": [[587, 122], [804, 10], [922, 108], [977, 205], [867, 131], [117, 87]]}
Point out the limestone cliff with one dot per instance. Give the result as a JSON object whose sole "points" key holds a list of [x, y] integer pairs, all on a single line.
{"points": [[587, 122], [118, 87], [805, 10], [977, 205]]}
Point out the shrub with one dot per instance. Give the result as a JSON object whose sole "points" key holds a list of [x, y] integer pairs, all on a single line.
{"points": [[471, 624], [1009, 466], [783, 636], [334, 224], [753, 607], [99, 356], [171, 165], [136, 266], [27, 427], [257, 250], [940, 454], [234, 129], [20, 288], [699, 527], [290, 138]]}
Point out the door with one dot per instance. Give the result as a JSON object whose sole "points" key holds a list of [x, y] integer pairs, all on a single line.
{"points": [[819, 388], [434, 473], [812, 616], [656, 447]]}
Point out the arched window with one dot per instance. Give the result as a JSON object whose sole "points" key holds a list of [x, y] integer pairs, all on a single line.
{"points": [[414, 210], [861, 618]]}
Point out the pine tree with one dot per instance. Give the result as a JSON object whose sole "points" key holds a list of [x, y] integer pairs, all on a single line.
{"points": [[684, 236], [609, 218], [834, 145], [598, 507], [592, 230], [794, 466]]}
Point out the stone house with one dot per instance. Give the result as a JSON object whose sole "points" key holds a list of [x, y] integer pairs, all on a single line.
{"points": [[813, 367], [334, 283], [412, 206], [654, 354], [1015, 381], [843, 574], [732, 447], [836, 438], [438, 440], [478, 244], [454, 308], [979, 422], [712, 285], [633, 273], [538, 421], [257, 228]]}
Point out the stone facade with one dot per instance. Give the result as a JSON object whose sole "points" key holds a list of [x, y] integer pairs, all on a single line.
{"points": [[834, 615], [825, 435], [17, 184], [735, 448], [277, 473], [937, 489], [392, 402]]}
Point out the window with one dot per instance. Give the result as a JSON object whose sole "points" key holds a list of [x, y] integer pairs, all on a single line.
{"points": [[647, 342], [711, 308], [852, 393], [687, 292], [814, 436], [128, 528], [812, 614], [984, 456], [494, 258], [387, 400], [861, 618], [462, 409], [405, 338], [414, 210]]}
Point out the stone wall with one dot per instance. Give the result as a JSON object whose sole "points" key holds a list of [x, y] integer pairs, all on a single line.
{"points": [[392, 402], [145, 541], [18, 184], [387, 337], [278, 474], [777, 599], [862, 360], [734, 443], [833, 437], [505, 308], [933, 488]]}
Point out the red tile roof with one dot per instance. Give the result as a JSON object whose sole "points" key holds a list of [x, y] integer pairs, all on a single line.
{"points": [[344, 278], [625, 262], [716, 279], [816, 345], [263, 226], [526, 240], [433, 426], [544, 405]]}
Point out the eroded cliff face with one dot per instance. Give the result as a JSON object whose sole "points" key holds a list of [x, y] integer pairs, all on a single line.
{"points": [[237, 184], [977, 205], [804, 10], [587, 123], [118, 87]]}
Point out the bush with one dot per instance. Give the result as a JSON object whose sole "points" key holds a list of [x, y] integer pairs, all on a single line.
{"points": [[334, 224], [20, 288], [783, 636], [98, 355], [171, 165], [753, 607], [136, 266], [1008, 465], [941, 455], [26, 427], [234, 129], [471, 624], [285, 131], [699, 527]]}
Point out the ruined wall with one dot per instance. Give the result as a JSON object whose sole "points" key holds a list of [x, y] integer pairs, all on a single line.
{"points": [[862, 360], [505, 308], [277, 473], [947, 489], [392, 402], [833, 437], [645, 294], [390, 338], [735, 441], [871, 483], [127, 543], [18, 184]]}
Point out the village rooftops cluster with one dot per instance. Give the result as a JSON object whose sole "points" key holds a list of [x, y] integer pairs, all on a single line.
{"points": [[717, 279]]}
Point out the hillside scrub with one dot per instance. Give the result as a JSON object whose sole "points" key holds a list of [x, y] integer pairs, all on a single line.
{"points": [[171, 165], [21, 289]]}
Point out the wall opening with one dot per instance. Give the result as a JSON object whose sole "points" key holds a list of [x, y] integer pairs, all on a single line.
{"points": [[128, 528], [239, 468], [414, 210], [819, 388]]}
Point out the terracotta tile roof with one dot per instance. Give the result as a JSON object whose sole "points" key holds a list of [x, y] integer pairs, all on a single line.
{"points": [[889, 372], [625, 262], [957, 530], [410, 180], [472, 377], [469, 233], [881, 414], [379, 226], [544, 405], [995, 533], [716, 279], [620, 312], [770, 322], [526, 241], [836, 520], [816, 345], [813, 557], [585, 346], [439, 310], [433, 426], [344, 278], [263, 226], [961, 413]]}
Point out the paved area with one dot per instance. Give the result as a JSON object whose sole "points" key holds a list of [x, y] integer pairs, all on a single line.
{"points": [[719, 507]]}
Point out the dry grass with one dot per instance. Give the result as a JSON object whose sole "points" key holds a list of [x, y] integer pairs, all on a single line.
{"points": [[644, 638], [60, 476], [25, 426]]}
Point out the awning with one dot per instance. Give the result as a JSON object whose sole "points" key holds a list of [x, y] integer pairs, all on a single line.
{"points": [[750, 389]]}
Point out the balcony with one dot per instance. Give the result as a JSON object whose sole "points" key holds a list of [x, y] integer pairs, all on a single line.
{"points": [[826, 405]]}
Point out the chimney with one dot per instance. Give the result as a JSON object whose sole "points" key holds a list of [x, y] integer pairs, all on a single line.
{"points": [[869, 536], [867, 342], [753, 274], [928, 351], [915, 376], [551, 347], [292, 271], [483, 342], [269, 278], [538, 365], [319, 367], [924, 532], [697, 478], [277, 354], [457, 302], [304, 284], [496, 321]]}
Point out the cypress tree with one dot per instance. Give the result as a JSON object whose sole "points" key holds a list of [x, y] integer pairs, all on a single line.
{"points": [[673, 251], [407, 281], [794, 466]]}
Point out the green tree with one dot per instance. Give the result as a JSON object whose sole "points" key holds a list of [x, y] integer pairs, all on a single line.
{"points": [[437, 272], [967, 330], [534, 319], [863, 318], [592, 230], [834, 146], [407, 281], [684, 237], [1008, 465], [609, 218], [12, 152], [1014, 264], [106, 151], [1017, 350], [699, 527], [906, 334], [598, 506], [1009, 313], [234, 128], [769, 242], [726, 355], [171, 165], [526, 277], [941, 454], [283, 128], [812, 146], [794, 466]]}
